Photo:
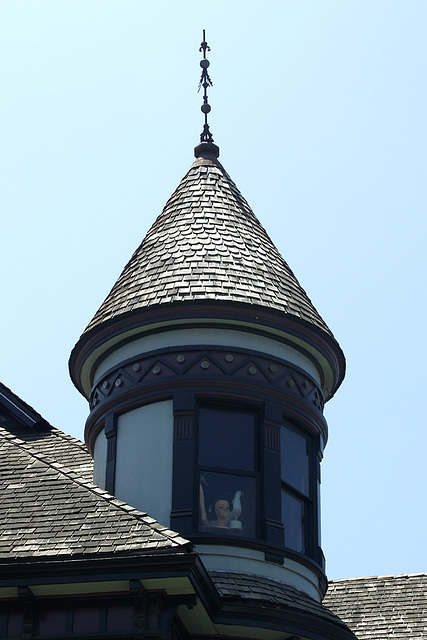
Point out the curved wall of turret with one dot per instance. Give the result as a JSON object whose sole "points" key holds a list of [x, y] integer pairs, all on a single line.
{"points": [[150, 386]]}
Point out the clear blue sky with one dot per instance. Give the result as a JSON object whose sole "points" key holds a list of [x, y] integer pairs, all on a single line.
{"points": [[320, 112]]}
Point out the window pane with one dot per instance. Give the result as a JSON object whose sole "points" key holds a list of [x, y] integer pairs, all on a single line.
{"points": [[293, 515], [226, 439], [294, 459], [227, 504]]}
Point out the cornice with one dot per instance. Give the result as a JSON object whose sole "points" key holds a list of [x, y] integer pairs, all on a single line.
{"points": [[239, 374], [320, 346]]}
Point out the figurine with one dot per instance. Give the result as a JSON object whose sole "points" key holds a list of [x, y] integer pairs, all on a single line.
{"points": [[226, 514]]}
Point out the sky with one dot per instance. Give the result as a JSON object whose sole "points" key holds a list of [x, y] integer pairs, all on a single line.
{"points": [[319, 109]]}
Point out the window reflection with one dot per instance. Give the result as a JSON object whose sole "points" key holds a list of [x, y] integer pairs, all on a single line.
{"points": [[294, 459], [293, 520], [297, 513], [226, 439]]}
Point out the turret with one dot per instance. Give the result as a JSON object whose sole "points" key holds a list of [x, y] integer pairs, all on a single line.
{"points": [[207, 368]]}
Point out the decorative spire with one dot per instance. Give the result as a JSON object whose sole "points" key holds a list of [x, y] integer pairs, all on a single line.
{"points": [[206, 148], [205, 82]]}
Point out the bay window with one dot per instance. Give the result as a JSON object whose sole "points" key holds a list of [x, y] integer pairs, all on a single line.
{"points": [[244, 473]]}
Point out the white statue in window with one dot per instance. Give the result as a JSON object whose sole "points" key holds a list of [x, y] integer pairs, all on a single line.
{"points": [[226, 513]]}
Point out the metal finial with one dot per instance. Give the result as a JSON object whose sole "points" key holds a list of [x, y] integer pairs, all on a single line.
{"points": [[205, 82]]}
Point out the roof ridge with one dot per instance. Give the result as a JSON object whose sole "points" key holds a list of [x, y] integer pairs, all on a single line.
{"points": [[58, 433], [257, 576], [173, 536], [379, 577]]}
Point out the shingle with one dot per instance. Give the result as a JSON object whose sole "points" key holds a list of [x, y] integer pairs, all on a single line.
{"points": [[379, 608], [237, 587], [249, 268], [50, 509]]}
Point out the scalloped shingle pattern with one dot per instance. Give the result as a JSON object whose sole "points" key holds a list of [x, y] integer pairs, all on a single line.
{"points": [[49, 509], [207, 244], [381, 608]]}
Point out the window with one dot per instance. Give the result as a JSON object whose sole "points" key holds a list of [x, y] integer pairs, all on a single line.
{"points": [[297, 491], [227, 459], [242, 473]]}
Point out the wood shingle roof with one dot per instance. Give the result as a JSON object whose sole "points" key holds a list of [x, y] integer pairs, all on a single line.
{"points": [[51, 508], [207, 244], [50, 511], [261, 591], [380, 608]]}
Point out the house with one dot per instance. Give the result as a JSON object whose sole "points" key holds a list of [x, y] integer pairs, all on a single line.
{"points": [[192, 510], [65, 546]]}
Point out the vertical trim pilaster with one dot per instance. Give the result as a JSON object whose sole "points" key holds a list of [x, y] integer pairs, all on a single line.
{"points": [[271, 476], [184, 447], [110, 430]]}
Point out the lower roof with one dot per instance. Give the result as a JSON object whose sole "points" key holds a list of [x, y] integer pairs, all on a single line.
{"points": [[258, 591], [380, 608], [50, 507], [50, 510]]}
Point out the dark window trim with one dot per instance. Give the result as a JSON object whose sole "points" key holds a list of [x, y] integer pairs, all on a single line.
{"points": [[270, 416], [311, 501], [236, 406]]}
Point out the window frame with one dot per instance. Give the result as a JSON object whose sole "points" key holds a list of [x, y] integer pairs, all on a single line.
{"points": [[310, 518], [255, 473], [270, 415]]}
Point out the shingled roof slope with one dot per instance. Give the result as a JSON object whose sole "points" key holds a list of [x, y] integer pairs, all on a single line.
{"points": [[265, 592], [49, 441], [207, 244], [380, 608], [47, 509]]}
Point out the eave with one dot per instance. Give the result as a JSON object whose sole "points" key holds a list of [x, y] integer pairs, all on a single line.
{"points": [[318, 345]]}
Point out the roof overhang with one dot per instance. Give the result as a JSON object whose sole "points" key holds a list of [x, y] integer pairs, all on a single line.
{"points": [[22, 411], [202, 609], [319, 346]]}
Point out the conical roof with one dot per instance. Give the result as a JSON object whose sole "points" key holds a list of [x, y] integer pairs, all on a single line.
{"points": [[207, 244]]}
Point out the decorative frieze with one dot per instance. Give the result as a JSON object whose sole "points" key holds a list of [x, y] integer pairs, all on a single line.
{"points": [[192, 365]]}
